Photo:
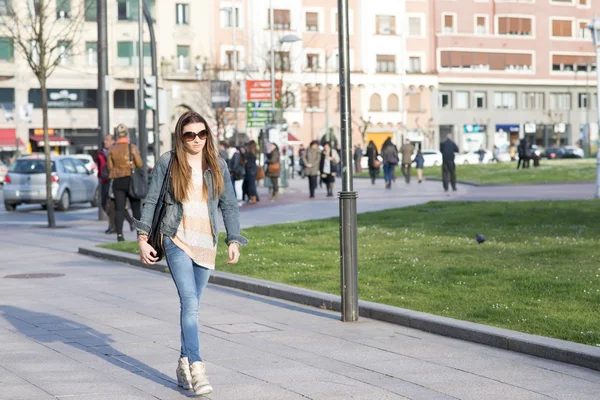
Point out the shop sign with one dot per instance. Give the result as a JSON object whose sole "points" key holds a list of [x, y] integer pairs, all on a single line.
{"points": [[474, 128]]}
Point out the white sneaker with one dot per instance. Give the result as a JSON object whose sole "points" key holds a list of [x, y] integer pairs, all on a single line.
{"points": [[184, 376], [200, 384]]}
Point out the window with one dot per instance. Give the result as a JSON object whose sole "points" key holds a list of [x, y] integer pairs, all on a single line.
{"points": [[91, 53], [229, 60], [229, 18], [414, 102], [282, 61], [312, 61], [513, 26], [505, 100], [90, 10], [569, 63], [385, 24], [562, 28], [479, 100], [4, 7], [313, 100], [7, 50], [289, 100], [481, 25], [559, 101], [386, 64], [462, 101], [183, 58], [375, 103], [448, 23], [64, 51], [124, 99], [445, 99], [63, 9], [282, 19], [583, 2], [414, 27], [182, 13], [533, 101], [583, 100], [584, 32], [414, 65], [393, 103], [127, 10], [312, 21], [127, 53], [486, 61], [67, 165]]}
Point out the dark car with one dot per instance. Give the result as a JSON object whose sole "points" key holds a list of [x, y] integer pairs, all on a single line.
{"points": [[564, 152], [553, 153]]}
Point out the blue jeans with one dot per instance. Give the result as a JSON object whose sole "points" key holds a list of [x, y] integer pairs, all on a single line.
{"points": [[234, 191], [388, 172], [190, 280]]}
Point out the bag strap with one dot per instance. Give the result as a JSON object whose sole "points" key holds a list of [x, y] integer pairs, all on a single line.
{"points": [[130, 159]]}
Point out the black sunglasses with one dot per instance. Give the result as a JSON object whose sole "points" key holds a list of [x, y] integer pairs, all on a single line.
{"points": [[189, 136]]}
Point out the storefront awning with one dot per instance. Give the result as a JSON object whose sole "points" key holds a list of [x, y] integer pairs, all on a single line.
{"points": [[8, 140], [56, 141]]}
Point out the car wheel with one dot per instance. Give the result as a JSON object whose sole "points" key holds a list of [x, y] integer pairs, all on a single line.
{"points": [[10, 207], [96, 200], [65, 201]]}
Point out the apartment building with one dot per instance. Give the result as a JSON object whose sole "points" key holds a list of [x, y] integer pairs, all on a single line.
{"points": [[514, 68]]}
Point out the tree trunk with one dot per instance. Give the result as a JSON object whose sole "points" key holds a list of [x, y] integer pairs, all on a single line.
{"points": [[49, 200]]}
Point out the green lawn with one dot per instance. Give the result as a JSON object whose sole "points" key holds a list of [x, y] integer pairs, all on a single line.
{"points": [[537, 273], [550, 171]]}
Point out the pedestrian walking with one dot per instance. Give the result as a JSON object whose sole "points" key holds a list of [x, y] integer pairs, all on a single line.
{"points": [[301, 151], [292, 162], [328, 167], [524, 151], [389, 152], [120, 169], [420, 161], [358, 156], [407, 151], [448, 148], [199, 184], [237, 169], [274, 170], [373, 161], [103, 178], [251, 172], [481, 153], [312, 162]]}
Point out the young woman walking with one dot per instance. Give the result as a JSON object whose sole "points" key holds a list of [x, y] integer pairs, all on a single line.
{"points": [[329, 160], [199, 184]]}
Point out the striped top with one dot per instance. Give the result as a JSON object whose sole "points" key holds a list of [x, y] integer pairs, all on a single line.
{"points": [[194, 235]]}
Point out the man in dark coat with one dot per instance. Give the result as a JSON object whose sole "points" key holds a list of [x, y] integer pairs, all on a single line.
{"points": [[448, 149]]}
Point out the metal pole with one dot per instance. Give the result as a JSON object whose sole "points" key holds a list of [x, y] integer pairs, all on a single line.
{"points": [[155, 124], [327, 100], [102, 94], [271, 16], [588, 146], [235, 68], [597, 116], [142, 136], [348, 240]]}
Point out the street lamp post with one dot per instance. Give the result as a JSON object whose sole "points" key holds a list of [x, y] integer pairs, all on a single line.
{"points": [[234, 21], [594, 27], [348, 221]]}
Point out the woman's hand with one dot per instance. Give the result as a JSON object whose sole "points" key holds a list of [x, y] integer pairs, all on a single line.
{"points": [[147, 253], [234, 253]]}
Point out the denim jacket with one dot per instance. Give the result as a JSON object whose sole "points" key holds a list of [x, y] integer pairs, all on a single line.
{"points": [[174, 212]]}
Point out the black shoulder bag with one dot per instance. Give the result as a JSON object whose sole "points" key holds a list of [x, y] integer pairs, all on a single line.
{"points": [[138, 186], [154, 237]]}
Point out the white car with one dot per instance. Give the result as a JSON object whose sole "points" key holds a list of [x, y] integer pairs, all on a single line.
{"points": [[88, 161], [433, 158], [472, 157]]}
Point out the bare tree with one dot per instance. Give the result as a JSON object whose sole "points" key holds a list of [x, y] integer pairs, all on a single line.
{"points": [[45, 33]]}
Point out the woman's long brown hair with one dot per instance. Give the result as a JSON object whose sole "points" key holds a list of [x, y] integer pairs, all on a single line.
{"points": [[182, 173]]}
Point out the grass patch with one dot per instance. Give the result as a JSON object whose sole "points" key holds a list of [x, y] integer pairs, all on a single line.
{"points": [[550, 171], [538, 272]]}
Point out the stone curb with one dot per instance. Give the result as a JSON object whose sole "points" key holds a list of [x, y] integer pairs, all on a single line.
{"points": [[539, 346], [467, 183]]}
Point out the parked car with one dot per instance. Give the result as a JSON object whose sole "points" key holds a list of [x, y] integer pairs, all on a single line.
{"points": [[433, 158], [552, 153], [3, 171], [72, 182], [472, 157], [88, 161], [573, 152]]}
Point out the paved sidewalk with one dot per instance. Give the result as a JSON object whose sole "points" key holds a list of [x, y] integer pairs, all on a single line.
{"points": [[108, 331]]}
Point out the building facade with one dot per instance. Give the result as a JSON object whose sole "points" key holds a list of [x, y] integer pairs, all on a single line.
{"points": [[514, 68]]}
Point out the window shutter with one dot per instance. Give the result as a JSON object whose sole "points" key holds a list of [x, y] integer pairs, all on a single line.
{"points": [[480, 21], [526, 25], [497, 61], [445, 59], [448, 21], [503, 25], [455, 59], [480, 59], [312, 19]]}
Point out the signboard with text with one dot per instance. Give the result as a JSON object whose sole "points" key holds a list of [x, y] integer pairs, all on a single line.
{"points": [[260, 90], [259, 113]]}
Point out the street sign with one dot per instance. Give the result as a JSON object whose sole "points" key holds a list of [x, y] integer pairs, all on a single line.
{"points": [[260, 90], [259, 113]]}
